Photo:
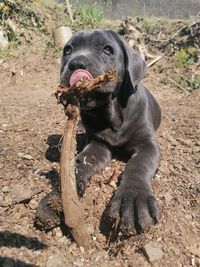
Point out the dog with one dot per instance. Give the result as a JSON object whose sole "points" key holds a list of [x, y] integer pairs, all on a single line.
{"points": [[120, 120]]}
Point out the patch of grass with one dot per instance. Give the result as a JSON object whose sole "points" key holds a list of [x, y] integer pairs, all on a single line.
{"points": [[193, 85], [186, 56], [86, 16], [150, 24]]}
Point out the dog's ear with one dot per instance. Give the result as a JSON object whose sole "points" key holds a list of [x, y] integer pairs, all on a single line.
{"points": [[135, 66]]}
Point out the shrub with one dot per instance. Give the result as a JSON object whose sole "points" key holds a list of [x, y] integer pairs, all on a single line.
{"points": [[186, 56]]}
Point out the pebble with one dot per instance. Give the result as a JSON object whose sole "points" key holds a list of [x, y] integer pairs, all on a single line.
{"points": [[33, 204], [21, 192], [57, 232], [6, 189], [79, 263], [55, 260], [152, 252], [168, 197], [24, 156]]}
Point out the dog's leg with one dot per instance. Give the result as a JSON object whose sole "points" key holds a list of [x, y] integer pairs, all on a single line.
{"points": [[93, 158], [134, 201]]}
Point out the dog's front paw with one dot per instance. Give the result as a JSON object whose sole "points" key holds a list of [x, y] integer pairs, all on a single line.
{"points": [[134, 210]]}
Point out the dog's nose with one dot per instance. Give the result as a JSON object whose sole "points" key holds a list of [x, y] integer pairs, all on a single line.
{"points": [[77, 63]]}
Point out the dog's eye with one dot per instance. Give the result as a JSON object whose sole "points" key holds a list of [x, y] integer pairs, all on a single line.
{"points": [[67, 50], [108, 50]]}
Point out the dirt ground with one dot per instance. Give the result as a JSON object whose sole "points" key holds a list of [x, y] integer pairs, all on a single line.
{"points": [[31, 120]]}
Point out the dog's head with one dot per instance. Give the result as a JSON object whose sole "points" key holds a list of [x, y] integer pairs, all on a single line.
{"points": [[90, 53]]}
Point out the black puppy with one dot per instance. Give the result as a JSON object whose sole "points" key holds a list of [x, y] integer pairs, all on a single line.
{"points": [[120, 120]]}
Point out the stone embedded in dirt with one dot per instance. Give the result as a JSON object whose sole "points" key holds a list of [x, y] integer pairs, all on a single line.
{"points": [[21, 193], [33, 204], [6, 189], [55, 260], [152, 252], [19, 211], [57, 232], [168, 197], [79, 263], [24, 156]]}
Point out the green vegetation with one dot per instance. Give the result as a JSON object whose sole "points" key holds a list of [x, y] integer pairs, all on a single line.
{"points": [[86, 16], [21, 16], [150, 24], [186, 56], [193, 85]]}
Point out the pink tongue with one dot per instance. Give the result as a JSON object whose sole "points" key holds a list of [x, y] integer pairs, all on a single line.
{"points": [[78, 74]]}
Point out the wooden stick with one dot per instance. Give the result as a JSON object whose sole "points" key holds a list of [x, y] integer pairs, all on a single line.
{"points": [[69, 10], [154, 61], [178, 85], [73, 210]]}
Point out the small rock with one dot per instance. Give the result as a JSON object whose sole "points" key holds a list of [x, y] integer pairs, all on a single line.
{"points": [[24, 156], [168, 197], [82, 250], [55, 260], [79, 263], [19, 211], [90, 229], [6, 189], [152, 252], [57, 232], [33, 204], [21, 193], [72, 248]]}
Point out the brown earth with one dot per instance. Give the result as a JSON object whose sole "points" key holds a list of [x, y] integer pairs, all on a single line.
{"points": [[30, 118]]}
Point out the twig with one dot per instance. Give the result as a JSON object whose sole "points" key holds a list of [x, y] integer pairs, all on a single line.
{"points": [[178, 85], [69, 10], [154, 61], [179, 31]]}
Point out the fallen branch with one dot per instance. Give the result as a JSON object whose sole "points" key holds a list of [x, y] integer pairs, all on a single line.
{"points": [[154, 61], [178, 85]]}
